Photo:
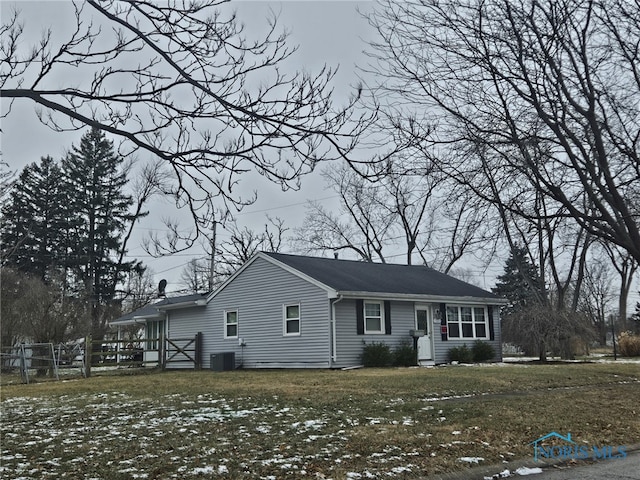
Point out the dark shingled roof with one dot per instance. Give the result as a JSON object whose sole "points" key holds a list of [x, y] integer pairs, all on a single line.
{"points": [[355, 276], [152, 308]]}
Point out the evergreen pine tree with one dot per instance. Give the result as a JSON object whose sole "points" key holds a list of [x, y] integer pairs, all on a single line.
{"points": [[33, 224], [96, 182], [520, 282]]}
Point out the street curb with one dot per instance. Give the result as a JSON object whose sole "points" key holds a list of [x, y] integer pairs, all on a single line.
{"points": [[493, 471]]}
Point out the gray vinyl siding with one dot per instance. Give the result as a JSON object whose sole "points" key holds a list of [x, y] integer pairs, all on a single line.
{"points": [[441, 348], [349, 344], [184, 324], [259, 294]]}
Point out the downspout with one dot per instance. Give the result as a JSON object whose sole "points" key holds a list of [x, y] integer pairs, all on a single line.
{"points": [[334, 346]]}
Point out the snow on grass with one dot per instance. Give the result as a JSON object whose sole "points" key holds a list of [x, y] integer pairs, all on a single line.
{"points": [[311, 430], [181, 437], [528, 471]]}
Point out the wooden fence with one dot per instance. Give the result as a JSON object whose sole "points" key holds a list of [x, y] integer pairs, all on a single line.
{"points": [[41, 358], [156, 352]]}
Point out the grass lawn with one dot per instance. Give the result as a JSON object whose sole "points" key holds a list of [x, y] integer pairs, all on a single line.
{"points": [[369, 423]]}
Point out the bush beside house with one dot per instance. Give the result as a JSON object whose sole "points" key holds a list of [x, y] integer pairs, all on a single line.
{"points": [[379, 354], [480, 352]]}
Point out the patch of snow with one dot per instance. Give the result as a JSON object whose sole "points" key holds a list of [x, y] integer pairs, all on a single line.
{"points": [[471, 459], [528, 471], [451, 397], [205, 470], [400, 469]]}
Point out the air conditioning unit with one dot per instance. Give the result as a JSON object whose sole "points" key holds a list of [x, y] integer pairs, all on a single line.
{"points": [[222, 362]]}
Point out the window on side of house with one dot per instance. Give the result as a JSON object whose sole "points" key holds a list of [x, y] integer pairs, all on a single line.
{"points": [[467, 321], [230, 324], [373, 317], [291, 319]]}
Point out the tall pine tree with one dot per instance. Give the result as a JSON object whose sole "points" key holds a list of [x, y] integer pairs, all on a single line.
{"points": [[520, 283], [65, 224], [99, 212], [33, 225]]}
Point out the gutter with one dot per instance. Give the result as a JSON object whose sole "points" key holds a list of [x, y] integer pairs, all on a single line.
{"points": [[425, 298], [193, 303]]}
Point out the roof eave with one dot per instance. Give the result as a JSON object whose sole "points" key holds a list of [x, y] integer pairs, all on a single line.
{"points": [[424, 297], [137, 319], [190, 304]]}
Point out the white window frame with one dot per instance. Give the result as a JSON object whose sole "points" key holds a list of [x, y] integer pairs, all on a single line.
{"points": [[226, 323], [473, 322], [381, 331], [285, 320]]}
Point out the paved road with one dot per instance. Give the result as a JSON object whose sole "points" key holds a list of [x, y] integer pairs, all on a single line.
{"points": [[617, 469]]}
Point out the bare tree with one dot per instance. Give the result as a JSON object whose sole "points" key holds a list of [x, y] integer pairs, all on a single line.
{"points": [[540, 330], [361, 226], [195, 275], [181, 81], [407, 210], [626, 266], [597, 296], [546, 91], [33, 311], [235, 245], [244, 242], [138, 290]]}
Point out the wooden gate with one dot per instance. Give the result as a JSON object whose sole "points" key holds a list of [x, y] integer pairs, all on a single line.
{"points": [[183, 352]]}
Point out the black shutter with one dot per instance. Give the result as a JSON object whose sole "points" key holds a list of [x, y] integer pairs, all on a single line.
{"points": [[492, 335], [387, 317], [360, 317], [443, 322]]}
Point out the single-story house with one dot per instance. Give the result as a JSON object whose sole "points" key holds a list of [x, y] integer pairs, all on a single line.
{"points": [[292, 311]]}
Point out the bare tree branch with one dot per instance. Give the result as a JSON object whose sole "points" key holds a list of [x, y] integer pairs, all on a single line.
{"points": [[544, 95], [181, 81]]}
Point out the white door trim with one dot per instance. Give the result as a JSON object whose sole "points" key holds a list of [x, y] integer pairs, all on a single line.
{"points": [[425, 343]]}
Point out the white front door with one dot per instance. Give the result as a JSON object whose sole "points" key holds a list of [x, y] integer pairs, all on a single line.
{"points": [[425, 343]]}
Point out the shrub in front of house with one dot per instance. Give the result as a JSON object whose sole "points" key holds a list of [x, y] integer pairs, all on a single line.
{"points": [[482, 351], [629, 344], [404, 355], [377, 355], [461, 354]]}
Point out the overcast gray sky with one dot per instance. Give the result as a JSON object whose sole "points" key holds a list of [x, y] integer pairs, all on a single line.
{"points": [[327, 32]]}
